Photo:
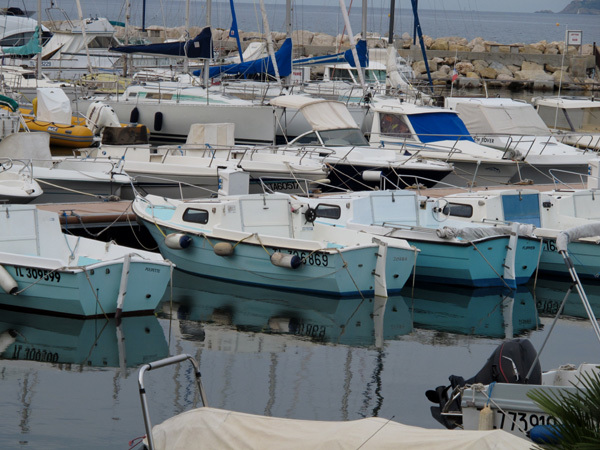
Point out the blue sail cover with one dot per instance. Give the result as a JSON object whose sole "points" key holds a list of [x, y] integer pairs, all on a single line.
{"points": [[439, 126], [198, 48], [339, 58], [283, 56]]}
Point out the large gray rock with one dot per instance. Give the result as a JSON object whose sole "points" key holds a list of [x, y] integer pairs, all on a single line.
{"points": [[322, 40], [464, 67], [533, 75], [302, 37]]}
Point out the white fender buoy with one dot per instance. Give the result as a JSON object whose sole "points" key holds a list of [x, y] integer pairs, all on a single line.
{"points": [[7, 338], [7, 282], [223, 249], [178, 241], [486, 418], [371, 175], [286, 260]]}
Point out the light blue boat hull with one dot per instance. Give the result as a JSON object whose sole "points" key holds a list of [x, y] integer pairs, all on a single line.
{"points": [[337, 273], [91, 293], [475, 267], [585, 257]]}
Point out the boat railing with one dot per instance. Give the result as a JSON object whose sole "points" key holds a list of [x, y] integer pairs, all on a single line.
{"points": [[584, 178], [8, 163], [142, 389], [137, 187], [580, 140]]}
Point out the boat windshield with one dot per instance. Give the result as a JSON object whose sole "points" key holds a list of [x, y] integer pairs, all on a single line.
{"points": [[349, 137], [572, 119], [439, 126]]}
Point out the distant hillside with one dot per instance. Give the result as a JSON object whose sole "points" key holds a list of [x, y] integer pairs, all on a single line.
{"points": [[582, 7]]}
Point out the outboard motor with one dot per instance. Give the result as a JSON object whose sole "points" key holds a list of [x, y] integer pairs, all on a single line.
{"points": [[100, 115], [509, 363]]}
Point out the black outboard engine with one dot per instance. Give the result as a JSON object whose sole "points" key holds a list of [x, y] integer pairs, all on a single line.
{"points": [[509, 363]]}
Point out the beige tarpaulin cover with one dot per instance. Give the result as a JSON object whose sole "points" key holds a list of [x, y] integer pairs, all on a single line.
{"points": [[53, 105], [320, 114], [210, 428]]}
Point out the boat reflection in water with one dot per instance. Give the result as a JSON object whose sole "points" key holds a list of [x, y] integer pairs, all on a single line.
{"points": [[487, 312], [549, 294], [87, 343], [355, 321]]}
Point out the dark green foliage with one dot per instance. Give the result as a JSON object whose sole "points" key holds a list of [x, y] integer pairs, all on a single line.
{"points": [[578, 413]]}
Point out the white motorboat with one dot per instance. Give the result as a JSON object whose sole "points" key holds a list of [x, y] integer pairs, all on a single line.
{"points": [[17, 186], [503, 257], [353, 163], [573, 120], [63, 179], [498, 396], [271, 240], [212, 428], [168, 110], [192, 169], [433, 132], [507, 124]]}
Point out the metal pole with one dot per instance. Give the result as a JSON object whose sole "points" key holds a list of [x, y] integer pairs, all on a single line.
{"points": [[39, 55], [207, 62], [391, 29], [144, 15]]}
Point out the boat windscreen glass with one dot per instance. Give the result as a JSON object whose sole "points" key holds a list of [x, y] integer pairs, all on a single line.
{"points": [[349, 137], [328, 211], [439, 126], [195, 215]]}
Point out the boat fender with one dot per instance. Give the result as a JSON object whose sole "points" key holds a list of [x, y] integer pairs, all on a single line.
{"points": [[7, 282], [223, 249], [158, 121], [286, 260], [178, 241], [310, 215], [486, 418], [7, 339], [371, 175], [134, 117]]}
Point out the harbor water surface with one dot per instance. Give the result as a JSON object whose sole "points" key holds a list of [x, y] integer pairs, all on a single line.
{"points": [[69, 383]]}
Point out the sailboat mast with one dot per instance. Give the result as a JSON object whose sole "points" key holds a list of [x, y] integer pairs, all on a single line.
{"points": [[352, 43], [288, 33], [364, 35], [82, 22], [391, 29], [207, 61], [187, 28], [39, 55]]}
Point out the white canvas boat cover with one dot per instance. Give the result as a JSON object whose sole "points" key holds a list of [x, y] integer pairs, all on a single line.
{"points": [[320, 114], [26, 147], [53, 105], [210, 428], [575, 233], [498, 116]]}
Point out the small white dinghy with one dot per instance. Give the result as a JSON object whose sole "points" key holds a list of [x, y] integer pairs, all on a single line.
{"points": [[211, 428]]}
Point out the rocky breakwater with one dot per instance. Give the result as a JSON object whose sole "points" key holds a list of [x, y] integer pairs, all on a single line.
{"points": [[542, 65]]}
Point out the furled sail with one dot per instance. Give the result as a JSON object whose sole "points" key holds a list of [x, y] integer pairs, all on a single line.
{"points": [[339, 58], [198, 48], [31, 48], [258, 66]]}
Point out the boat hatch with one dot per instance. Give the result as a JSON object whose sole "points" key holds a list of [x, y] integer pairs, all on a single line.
{"points": [[523, 208]]}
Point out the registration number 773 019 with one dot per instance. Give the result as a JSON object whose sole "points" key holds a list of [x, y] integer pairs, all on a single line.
{"points": [[513, 420]]}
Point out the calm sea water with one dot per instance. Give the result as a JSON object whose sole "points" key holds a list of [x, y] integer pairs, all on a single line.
{"points": [[73, 384], [496, 26]]}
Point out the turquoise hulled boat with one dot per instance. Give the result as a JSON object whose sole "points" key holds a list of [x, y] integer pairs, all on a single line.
{"points": [[48, 271], [271, 240]]}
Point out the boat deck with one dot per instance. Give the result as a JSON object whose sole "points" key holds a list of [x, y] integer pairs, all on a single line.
{"points": [[93, 214]]}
